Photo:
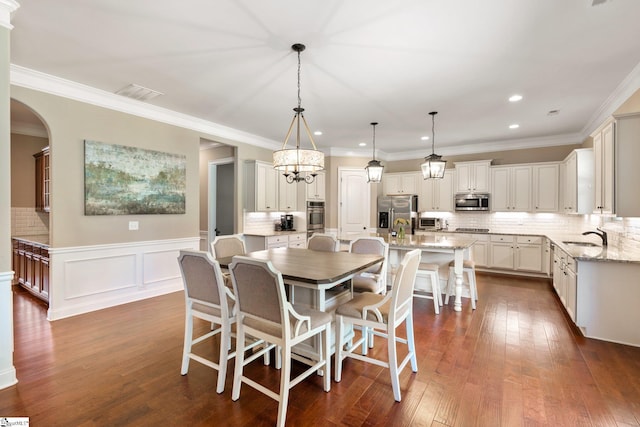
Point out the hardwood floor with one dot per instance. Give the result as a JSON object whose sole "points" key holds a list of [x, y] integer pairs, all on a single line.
{"points": [[514, 361]]}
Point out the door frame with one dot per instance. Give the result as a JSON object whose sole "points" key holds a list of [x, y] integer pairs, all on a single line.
{"points": [[212, 195]]}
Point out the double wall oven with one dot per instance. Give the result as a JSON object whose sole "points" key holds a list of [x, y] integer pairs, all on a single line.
{"points": [[315, 218]]}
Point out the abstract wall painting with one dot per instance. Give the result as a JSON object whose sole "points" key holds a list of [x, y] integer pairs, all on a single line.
{"points": [[121, 180]]}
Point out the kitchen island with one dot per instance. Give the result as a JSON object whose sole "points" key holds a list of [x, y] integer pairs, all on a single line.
{"points": [[428, 244]]}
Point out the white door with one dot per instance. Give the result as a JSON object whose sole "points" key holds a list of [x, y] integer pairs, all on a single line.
{"points": [[354, 201]]}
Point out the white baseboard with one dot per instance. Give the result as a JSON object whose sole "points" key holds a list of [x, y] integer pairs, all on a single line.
{"points": [[89, 278]]}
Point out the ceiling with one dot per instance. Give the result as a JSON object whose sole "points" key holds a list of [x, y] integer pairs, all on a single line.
{"points": [[231, 63]]}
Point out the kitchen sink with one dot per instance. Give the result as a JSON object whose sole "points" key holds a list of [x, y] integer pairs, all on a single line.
{"points": [[588, 244]]}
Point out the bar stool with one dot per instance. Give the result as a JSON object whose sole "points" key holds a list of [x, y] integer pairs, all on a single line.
{"points": [[468, 267], [430, 271]]}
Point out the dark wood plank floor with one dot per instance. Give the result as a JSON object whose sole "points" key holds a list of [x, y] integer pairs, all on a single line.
{"points": [[514, 361]]}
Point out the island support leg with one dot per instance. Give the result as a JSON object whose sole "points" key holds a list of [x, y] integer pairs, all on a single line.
{"points": [[458, 264]]}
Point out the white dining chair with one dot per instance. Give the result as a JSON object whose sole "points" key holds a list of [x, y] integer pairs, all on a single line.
{"points": [[382, 314], [323, 242], [265, 313], [207, 298], [228, 246], [373, 279]]}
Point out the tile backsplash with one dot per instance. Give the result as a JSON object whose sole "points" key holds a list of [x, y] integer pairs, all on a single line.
{"points": [[28, 222], [263, 222]]}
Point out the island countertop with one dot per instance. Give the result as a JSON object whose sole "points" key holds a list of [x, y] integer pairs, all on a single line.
{"points": [[415, 241]]}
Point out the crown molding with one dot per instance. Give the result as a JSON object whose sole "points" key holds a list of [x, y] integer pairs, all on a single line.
{"points": [[31, 79], [29, 129], [7, 7], [623, 91]]}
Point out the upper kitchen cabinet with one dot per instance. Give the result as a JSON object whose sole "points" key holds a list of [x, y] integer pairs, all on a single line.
{"points": [[437, 194], [317, 189], [43, 180], [545, 189], [473, 176], [603, 150], [287, 194], [511, 188], [626, 149], [400, 183], [576, 182], [261, 186]]}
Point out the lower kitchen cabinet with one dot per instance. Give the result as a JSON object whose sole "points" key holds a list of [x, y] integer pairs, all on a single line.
{"points": [[565, 281], [283, 240], [31, 266], [517, 253]]}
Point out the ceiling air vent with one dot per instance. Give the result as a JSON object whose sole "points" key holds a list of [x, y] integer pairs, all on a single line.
{"points": [[138, 92]]}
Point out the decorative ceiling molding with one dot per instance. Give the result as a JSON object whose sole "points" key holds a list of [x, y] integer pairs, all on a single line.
{"points": [[31, 79], [7, 7], [29, 129]]}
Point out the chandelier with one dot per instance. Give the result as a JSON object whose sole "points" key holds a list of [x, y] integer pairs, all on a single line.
{"points": [[374, 168], [294, 161], [433, 166]]}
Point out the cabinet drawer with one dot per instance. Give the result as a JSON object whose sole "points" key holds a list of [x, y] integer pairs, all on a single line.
{"points": [[295, 238], [536, 240], [274, 240], [504, 239]]}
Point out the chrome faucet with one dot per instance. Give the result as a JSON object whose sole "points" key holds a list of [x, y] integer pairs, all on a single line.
{"points": [[602, 234]]}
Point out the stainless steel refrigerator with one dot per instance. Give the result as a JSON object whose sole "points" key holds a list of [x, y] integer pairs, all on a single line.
{"points": [[390, 208]]}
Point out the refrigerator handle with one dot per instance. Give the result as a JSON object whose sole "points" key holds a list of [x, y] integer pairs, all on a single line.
{"points": [[391, 220]]}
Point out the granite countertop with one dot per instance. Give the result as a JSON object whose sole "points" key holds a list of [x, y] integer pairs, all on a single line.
{"points": [[581, 253], [38, 239], [275, 233], [415, 241]]}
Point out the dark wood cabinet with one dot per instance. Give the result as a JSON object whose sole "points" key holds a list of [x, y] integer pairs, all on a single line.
{"points": [[43, 180], [31, 266]]}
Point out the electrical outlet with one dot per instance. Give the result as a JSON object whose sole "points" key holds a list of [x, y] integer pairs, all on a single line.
{"points": [[133, 225]]}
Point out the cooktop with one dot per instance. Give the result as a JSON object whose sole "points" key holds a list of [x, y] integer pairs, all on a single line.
{"points": [[473, 230]]}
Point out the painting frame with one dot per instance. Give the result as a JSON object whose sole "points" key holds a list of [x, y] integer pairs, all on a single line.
{"points": [[125, 180]]}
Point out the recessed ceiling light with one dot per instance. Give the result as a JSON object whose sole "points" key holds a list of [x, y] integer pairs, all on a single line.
{"points": [[515, 98], [318, 133], [514, 126], [424, 138], [363, 144]]}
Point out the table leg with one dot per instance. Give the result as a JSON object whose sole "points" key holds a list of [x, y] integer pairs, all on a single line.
{"points": [[458, 263]]}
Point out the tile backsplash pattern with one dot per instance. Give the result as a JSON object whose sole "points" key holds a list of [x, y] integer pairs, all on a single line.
{"points": [[28, 222], [264, 222]]}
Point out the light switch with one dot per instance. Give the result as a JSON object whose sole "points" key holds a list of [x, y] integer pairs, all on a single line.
{"points": [[133, 225]]}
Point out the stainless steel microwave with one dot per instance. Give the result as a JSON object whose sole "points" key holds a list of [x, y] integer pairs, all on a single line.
{"points": [[427, 223], [472, 202]]}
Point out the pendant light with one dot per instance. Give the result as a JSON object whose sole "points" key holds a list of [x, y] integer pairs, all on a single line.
{"points": [[433, 166], [293, 161], [374, 168]]}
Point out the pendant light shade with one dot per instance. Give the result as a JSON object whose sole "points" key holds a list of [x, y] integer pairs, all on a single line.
{"points": [[294, 161], [433, 166], [374, 168]]}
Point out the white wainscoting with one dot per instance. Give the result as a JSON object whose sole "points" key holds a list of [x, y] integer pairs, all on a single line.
{"points": [[90, 278]]}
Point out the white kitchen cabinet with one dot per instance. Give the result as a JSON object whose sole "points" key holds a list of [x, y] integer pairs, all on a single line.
{"points": [[436, 194], [577, 182], [626, 169], [473, 176], [479, 250], [518, 253], [547, 254], [283, 240], [316, 191], [288, 194], [603, 151], [261, 186], [511, 188], [565, 281], [545, 188], [400, 183]]}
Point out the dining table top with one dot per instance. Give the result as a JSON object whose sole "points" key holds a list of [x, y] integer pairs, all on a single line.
{"points": [[310, 266]]}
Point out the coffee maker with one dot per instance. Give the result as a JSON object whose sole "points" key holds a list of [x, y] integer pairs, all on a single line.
{"points": [[286, 222]]}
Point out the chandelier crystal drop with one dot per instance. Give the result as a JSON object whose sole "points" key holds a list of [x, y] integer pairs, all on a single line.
{"points": [[298, 164]]}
